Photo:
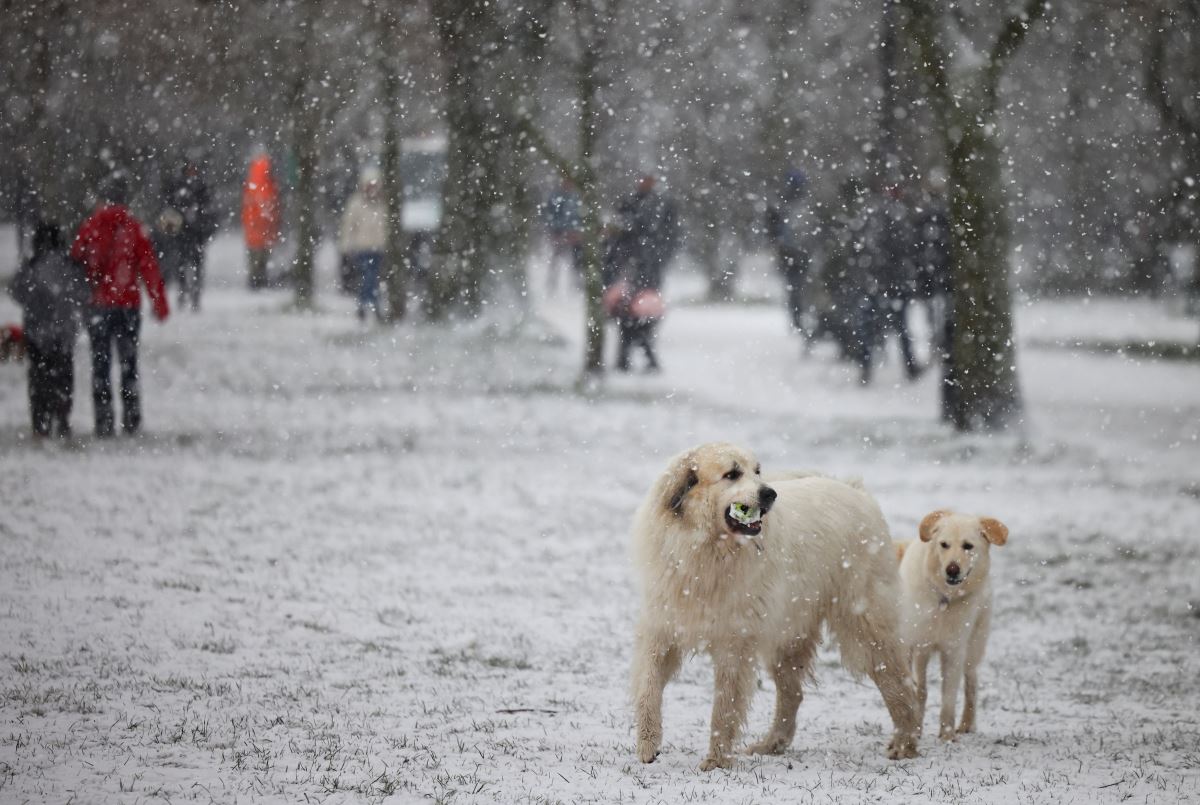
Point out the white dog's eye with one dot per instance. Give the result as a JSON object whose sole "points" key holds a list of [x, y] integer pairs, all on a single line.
{"points": [[968, 546], [758, 470], [733, 474], [945, 546]]}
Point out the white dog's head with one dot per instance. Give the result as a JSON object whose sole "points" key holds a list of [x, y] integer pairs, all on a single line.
{"points": [[715, 491], [959, 554]]}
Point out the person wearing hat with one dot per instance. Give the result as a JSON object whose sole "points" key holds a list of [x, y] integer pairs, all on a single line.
{"points": [[119, 260]]}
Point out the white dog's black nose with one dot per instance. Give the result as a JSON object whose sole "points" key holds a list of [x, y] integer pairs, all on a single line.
{"points": [[952, 570], [766, 496]]}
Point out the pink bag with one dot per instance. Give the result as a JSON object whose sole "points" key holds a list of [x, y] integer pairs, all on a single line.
{"points": [[616, 297], [647, 304]]}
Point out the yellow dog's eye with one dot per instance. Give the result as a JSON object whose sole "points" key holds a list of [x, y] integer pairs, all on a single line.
{"points": [[733, 474]]}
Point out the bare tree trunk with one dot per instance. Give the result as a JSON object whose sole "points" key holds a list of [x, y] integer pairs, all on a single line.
{"points": [[396, 265], [305, 112], [1184, 216], [984, 353], [985, 389], [460, 258]]}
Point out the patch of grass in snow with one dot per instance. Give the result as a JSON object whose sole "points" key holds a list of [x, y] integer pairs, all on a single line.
{"points": [[177, 584], [38, 701]]}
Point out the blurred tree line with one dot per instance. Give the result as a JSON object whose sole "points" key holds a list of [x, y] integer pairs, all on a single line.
{"points": [[1078, 124]]}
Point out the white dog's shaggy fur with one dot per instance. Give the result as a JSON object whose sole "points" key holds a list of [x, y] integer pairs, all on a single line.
{"points": [[821, 554], [946, 606]]}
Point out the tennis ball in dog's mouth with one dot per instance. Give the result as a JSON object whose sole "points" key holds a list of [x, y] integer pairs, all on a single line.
{"points": [[746, 515]]}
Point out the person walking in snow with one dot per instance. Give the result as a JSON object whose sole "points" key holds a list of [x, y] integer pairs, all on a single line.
{"points": [[187, 196], [893, 265], [52, 291], [260, 218], [117, 255], [648, 240], [564, 220], [788, 224], [363, 239]]}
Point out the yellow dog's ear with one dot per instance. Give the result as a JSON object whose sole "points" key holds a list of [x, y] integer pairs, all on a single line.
{"points": [[994, 531], [931, 519]]}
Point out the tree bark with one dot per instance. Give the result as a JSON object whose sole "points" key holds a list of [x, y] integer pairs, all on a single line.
{"points": [[460, 260], [396, 266], [305, 111], [986, 393]]}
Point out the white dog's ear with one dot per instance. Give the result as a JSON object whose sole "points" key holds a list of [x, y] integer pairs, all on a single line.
{"points": [[994, 531], [682, 484], [928, 523]]}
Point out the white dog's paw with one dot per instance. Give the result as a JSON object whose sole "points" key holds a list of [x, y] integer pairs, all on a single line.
{"points": [[770, 745], [647, 752], [713, 762], [948, 733]]}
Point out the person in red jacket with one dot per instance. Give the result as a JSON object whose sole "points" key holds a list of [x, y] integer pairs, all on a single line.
{"points": [[116, 253], [260, 218]]}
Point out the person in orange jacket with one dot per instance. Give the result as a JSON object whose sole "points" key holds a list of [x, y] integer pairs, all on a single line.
{"points": [[260, 217], [115, 252]]}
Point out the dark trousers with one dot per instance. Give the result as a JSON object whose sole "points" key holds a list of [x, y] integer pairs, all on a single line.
{"points": [[119, 327], [880, 317], [367, 265], [634, 333], [257, 259], [191, 281], [793, 264], [51, 387]]}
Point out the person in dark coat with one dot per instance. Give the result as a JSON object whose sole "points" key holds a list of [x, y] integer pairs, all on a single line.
{"points": [[893, 263], [789, 223], [187, 195], [648, 240], [935, 285], [117, 256], [849, 279], [52, 291]]}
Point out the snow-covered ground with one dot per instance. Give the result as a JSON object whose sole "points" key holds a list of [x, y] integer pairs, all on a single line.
{"points": [[348, 562]]}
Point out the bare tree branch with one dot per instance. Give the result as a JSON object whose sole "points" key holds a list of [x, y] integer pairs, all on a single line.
{"points": [[1011, 36]]}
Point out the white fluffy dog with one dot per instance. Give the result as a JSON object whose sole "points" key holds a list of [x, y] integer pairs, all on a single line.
{"points": [[946, 606], [748, 572]]}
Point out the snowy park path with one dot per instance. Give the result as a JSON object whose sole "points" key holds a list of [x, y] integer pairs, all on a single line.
{"points": [[350, 563]]}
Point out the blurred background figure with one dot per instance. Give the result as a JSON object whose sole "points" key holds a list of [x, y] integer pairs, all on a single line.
{"points": [[260, 217], [363, 239], [647, 239], [789, 227], [564, 222], [848, 279], [52, 292], [186, 194], [168, 246], [894, 253], [116, 255]]}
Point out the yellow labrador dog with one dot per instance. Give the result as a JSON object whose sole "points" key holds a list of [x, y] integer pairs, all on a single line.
{"points": [[749, 571], [946, 606]]}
